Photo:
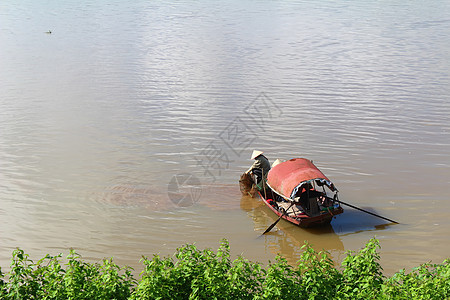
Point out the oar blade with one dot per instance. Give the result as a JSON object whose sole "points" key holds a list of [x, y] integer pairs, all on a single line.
{"points": [[272, 226]]}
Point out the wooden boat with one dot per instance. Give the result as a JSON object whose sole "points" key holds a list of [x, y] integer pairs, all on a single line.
{"points": [[299, 192]]}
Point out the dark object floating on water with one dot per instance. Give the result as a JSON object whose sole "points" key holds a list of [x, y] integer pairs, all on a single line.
{"points": [[49, 32], [297, 191]]}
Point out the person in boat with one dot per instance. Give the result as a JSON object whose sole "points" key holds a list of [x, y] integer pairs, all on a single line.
{"points": [[307, 192], [260, 167]]}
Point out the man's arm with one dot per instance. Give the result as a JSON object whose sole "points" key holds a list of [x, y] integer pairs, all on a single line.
{"points": [[256, 165]]}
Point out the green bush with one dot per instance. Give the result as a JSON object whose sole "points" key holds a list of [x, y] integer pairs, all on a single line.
{"points": [[203, 274], [47, 279], [199, 275]]}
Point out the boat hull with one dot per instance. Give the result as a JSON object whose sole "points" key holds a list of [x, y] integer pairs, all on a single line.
{"points": [[303, 220]]}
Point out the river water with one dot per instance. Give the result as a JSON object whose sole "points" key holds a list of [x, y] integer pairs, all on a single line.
{"points": [[124, 131]]}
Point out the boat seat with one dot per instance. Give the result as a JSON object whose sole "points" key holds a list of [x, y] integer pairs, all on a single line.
{"points": [[293, 211]]}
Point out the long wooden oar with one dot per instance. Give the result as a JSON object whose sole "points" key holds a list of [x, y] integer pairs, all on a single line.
{"points": [[368, 212], [273, 225]]}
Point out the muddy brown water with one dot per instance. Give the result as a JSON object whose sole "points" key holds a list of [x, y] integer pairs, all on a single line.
{"points": [[124, 131]]}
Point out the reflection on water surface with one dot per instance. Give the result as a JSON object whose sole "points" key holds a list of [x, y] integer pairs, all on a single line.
{"points": [[99, 116]]}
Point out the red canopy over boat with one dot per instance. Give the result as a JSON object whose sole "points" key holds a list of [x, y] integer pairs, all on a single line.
{"points": [[287, 177]]}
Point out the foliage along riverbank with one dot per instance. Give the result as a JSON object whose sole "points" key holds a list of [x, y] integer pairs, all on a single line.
{"points": [[203, 274]]}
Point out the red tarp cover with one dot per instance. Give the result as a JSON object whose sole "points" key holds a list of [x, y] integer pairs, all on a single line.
{"points": [[286, 176]]}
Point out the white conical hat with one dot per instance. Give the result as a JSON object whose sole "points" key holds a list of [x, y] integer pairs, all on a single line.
{"points": [[256, 153], [276, 162]]}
